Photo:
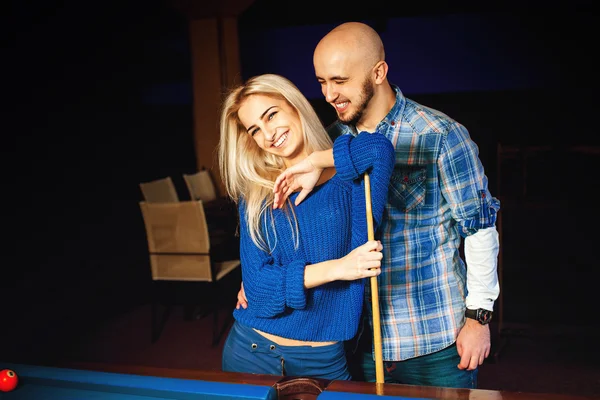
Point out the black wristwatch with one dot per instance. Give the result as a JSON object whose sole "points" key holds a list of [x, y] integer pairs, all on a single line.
{"points": [[481, 315]]}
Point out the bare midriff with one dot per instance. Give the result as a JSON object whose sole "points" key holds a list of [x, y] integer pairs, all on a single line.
{"points": [[292, 342]]}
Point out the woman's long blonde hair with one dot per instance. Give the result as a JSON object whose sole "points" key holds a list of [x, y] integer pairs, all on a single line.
{"points": [[247, 171]]}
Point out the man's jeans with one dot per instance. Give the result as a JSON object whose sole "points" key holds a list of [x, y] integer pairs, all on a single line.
{"points": [[435, 369]]}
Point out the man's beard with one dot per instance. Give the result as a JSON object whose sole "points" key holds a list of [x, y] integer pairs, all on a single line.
{"points": [[365, 97]]}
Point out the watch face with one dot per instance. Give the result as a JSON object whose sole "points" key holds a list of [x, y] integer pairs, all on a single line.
{"points": [[484, 316]]}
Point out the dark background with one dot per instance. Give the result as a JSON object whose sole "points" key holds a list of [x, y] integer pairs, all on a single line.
{"points": [[97, 99]]}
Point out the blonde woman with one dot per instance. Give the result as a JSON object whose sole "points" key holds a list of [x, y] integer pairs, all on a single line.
{"points": [[303, 267]]}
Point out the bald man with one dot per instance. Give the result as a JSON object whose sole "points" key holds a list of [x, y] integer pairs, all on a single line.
{"points": [[434, 310]]}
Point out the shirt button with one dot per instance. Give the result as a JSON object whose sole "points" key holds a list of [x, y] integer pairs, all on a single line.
{"points": [[272, 347], [393, 123], [254, 345]]}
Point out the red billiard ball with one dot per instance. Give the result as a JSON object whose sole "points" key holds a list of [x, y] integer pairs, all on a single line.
{"points": [[8, 380]]}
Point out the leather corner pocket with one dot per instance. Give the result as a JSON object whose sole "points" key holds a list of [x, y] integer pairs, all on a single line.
{"points": [[407, 186]]}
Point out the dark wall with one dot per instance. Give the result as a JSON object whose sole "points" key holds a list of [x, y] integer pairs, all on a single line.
{"points": [[81, 130], [442, 53]]}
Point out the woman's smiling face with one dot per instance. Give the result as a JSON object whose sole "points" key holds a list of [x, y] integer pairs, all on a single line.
{"points": [[275, 127]]}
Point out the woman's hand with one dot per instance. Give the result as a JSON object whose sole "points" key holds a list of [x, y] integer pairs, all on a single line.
{"points": [[362, 262], [303, 175]]}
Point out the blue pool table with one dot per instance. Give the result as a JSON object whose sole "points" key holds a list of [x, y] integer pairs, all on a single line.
{"points": [[43, 382], [112, 382]]}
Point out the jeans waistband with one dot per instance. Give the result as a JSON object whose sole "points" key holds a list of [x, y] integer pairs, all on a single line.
{"points": [[247, 333]]}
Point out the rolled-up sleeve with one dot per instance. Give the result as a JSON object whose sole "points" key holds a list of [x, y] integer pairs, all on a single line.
{"points": [[464, 183], [354, 156]]}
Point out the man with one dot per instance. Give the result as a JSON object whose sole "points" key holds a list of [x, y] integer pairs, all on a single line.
{"points": [[434, 311]]}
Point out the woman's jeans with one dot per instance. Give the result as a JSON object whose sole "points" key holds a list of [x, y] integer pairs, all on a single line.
{"points": [[247, 351]]}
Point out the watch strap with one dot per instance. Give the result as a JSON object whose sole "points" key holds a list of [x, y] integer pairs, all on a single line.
{"points": [[481, 315]]}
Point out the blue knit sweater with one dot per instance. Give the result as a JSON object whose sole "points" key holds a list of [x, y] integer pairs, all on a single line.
{"points": [[331, 223]]}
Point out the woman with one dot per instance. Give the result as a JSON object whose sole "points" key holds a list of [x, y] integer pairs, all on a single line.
{"points": [[302, 267]]}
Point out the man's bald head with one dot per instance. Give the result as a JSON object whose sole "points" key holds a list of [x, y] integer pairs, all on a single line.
{"points": [[352, 42], [351, 69]]}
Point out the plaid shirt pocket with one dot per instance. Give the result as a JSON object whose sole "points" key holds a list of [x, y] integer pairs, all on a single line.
{"points": [[407, 188]]}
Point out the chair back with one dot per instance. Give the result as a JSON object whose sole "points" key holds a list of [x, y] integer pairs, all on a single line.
{"points": [[178, 241], [179, 250], [159, 191], [201, 186]]}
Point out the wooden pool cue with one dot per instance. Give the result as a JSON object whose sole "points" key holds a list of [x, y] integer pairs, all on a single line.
{"points": [[374, 290]]}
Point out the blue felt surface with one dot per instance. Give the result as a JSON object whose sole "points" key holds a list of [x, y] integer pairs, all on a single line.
{"points": [[37, 383]]}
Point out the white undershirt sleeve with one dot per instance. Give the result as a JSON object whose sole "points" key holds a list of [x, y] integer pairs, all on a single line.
{"points": [[481, 254]]}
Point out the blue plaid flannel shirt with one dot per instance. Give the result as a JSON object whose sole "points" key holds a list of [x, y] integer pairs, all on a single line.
{"points": [[438, 194]]}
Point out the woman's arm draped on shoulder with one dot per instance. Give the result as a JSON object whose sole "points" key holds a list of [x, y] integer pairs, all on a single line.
{"points": [[268, 286], [367, 152], [303, 175]]}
